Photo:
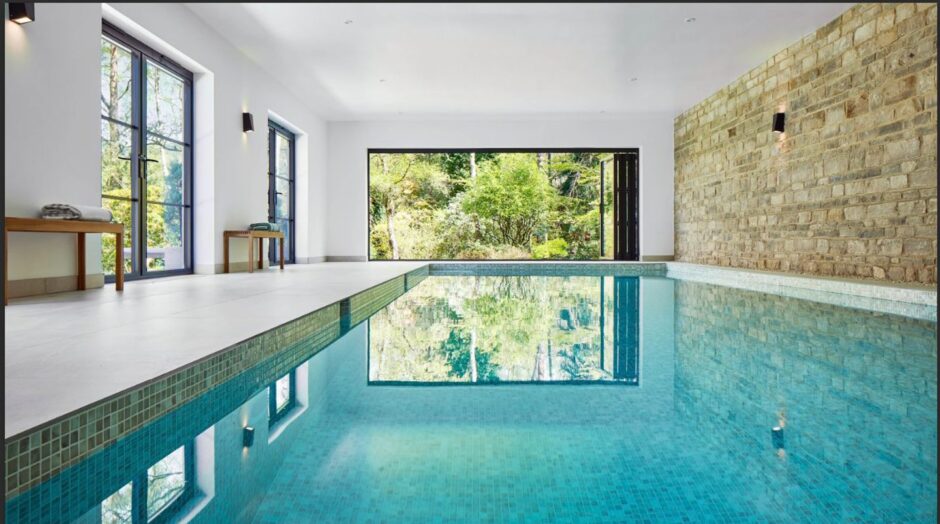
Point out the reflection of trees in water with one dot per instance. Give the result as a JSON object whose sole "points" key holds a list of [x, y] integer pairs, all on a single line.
{"points": [[466, 359], [489, 328]]}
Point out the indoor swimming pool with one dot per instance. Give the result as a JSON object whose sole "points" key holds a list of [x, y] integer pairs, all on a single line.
{"points": [[514, 397]]}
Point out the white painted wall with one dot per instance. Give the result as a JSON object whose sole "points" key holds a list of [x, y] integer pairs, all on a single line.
{"points": [[347, 231], [52, 129]]}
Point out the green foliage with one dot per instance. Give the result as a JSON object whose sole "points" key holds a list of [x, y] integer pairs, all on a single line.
{"points": [[456, 350], [517, 206], [554, 248], [512, 198]]}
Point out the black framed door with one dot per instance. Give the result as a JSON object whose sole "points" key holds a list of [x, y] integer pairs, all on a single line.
{"points": [[281, 201], [146, 156], [626, 206]]}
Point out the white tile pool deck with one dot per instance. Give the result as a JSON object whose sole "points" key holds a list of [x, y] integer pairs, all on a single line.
{"points": [[65, 351]]}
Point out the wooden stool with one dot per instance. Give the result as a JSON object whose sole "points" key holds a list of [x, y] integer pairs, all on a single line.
{"points": [[251, 235]]}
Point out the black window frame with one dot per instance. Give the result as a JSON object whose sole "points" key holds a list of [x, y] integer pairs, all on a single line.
{"points": [[139, 485], [277, 129], [626, 191], [143, 54], [275, 415]]}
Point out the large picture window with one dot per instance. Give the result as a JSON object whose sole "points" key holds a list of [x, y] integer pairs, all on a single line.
{"points": [[146, 156], [559, 204]]}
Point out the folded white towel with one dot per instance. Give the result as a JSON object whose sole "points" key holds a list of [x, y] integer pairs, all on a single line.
{"points": [[74, 212]]}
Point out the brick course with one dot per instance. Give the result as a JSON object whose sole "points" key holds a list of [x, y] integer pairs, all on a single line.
{"points": [[850, 189]]}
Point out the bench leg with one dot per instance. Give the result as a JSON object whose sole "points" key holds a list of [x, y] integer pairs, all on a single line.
{"points": [[119, 262], [81, 261], [251, 254], [225, 254], [282, 252], [260, 253]]}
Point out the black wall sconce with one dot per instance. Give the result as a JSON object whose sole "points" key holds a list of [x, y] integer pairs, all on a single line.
{"points": [[248, 436], [248, 123], [779, 122], [22, 12], [776, 437]]}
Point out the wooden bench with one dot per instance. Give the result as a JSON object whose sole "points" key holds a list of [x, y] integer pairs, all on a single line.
{"points": [[251, 235], [80, 228]]}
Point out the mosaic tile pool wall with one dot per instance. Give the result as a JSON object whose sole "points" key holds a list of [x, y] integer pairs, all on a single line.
{"points": [[39, 454]]}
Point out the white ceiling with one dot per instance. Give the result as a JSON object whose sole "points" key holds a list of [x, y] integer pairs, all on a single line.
{"points": [[523, 60]]}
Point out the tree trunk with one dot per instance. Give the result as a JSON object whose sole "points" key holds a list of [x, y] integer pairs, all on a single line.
{"points": [[473, 166], [473, 355], [539, 161], [390, 225], [112, 96], [550, 359], [389, 212], [539, 370]]}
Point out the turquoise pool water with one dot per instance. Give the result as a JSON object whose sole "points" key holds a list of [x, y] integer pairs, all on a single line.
{"points": [[550, 399]]}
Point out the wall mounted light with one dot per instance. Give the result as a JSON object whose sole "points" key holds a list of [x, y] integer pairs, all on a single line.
{"points": [[248, 436], [776, 437], [248, 123], [779, 122], [22, 12]]}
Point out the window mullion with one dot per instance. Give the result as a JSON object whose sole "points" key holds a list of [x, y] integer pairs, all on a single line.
{"points": [[139, 499]]}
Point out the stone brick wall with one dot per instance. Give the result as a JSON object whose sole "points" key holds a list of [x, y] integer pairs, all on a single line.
{"points": [[850, 188]]}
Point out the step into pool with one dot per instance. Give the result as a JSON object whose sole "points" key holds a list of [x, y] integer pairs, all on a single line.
{"points": [[511, 397]]}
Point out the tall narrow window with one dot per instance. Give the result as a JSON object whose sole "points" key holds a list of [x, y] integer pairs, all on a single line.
{"points": [[146, 156], [282, 397], [281, 187]]}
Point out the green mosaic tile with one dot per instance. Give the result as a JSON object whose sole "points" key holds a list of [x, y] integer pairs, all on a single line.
{"points": [[43, 452]]}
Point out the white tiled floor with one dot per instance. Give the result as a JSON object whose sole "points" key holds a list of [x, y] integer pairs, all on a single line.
{"points": [[65, 351]]}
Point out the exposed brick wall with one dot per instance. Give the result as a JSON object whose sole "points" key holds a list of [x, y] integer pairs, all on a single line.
{"points": [[850, 189]]}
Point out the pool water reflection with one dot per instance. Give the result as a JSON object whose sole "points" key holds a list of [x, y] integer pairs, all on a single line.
{"points": [[508, 329], [750, 408]]}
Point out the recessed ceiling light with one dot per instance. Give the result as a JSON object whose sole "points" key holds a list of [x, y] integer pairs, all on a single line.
{"points": [[690, 19], [347, 22]]}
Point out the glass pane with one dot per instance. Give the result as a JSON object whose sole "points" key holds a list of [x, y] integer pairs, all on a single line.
{"points": [[608, 204], [282, 392], [164, 237], [286, 229], [485, 205], [164, 171], [281, 155], [116, 95], [166, 481], [117, 508], [282, 198], [165, 103], [121, 209], [115, 170]]}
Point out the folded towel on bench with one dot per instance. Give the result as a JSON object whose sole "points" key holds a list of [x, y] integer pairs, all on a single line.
{"points": [[264, 226], [73, 212]]}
